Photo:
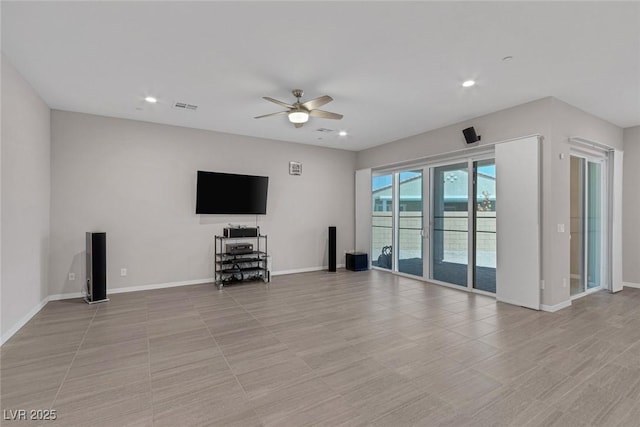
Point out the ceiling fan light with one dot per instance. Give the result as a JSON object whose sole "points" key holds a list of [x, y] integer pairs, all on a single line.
{"points": [[298, 116]]}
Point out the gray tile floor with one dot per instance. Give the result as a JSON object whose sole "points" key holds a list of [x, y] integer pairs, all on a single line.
{"points": [[329, 349]]}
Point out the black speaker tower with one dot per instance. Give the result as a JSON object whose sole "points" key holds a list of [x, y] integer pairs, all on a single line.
{"points": [[96, 268], [332, 249]]}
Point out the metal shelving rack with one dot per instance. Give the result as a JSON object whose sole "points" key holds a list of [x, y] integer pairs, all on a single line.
{"points": [[234, 268]]}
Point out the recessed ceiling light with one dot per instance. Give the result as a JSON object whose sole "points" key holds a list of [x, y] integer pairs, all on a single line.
{"points": [[342, 133], [468, 83], [151, 99]]}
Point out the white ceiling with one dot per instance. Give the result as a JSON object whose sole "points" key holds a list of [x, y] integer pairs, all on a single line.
{"points": [[394, 69]]}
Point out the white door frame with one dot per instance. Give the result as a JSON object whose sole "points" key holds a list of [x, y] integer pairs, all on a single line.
{"points": [[612, 189]]}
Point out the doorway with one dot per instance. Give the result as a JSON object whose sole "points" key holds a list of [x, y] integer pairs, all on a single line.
{"points": [[588, 227]]}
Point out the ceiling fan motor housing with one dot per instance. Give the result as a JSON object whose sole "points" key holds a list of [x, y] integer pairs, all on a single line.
{"points": [[299, 112]]}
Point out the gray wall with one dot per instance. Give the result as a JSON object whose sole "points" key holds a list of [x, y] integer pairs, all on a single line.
{"points": [[556, 121], [631, 206], [25, 199], [136, 181]]}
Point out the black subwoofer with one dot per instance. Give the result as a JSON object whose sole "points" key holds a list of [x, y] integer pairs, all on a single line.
{"points": [[96, 268], [356, 261]]}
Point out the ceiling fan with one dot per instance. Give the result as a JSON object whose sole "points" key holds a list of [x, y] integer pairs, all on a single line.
{"points": [[299, 112]]}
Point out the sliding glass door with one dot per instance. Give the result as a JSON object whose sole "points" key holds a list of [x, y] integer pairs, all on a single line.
{"points": [[484, 253], [459, 200], [594, 213], [382, 221], [577, 238], [588, 225], [398, 227], [450, 219], [410, 222], [463, 230]]}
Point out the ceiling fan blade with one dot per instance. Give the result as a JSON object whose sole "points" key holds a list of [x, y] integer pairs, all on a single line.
{"points": [[275, 101], [279, 113], [325, 114], [298, 125], [318, 102]]}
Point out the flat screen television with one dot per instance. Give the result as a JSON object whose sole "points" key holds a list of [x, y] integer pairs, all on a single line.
{"points": [[227, 193]]}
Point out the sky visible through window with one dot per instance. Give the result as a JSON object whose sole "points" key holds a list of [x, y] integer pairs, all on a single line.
{"points": [[489, 170], [382, 181]]}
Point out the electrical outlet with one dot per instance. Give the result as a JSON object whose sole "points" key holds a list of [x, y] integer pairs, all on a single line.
{"points": [[123, 272], [72, 276], [560, 228], [541, 284], [564, 282]]}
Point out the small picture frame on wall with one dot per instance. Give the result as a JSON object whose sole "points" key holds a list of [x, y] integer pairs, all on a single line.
{"points": [[295, 168]]}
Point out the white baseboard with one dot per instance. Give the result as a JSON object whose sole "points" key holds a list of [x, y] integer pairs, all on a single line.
{"points": [[303, 270], [506, 301], [631, 285], [152, 286], [160, 286], [135, 288], [16, 327], [554, 308], [58, 297]]}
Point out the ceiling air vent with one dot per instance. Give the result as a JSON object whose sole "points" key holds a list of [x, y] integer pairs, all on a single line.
{"points": [[325, 130], [185, 106]]}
